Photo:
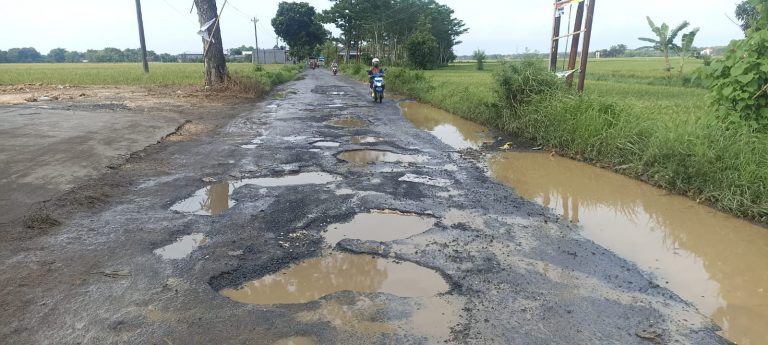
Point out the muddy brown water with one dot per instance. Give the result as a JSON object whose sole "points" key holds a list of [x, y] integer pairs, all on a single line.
{"points": [[379, 225], [318, 277], [716, 261], [453, 130], [296, 341], [209, 201], [183, 246], [363, 157], [348, 122]]}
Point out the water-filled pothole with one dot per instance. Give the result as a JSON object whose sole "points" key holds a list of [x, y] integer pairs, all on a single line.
{"points": [[428, 180], [182, 247], [318, 277], [455, 131], [290, 180], [379, 225], [216, 198], [363, 139], [326, 144], [716, 261], [348, 122], [296, 341], [209, 201], [363, 157]]}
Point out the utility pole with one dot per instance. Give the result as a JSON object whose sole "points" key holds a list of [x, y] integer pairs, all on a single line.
{"points": [[255, 55], [575, 43], [141, 37], [585, 48], [555, 41]]}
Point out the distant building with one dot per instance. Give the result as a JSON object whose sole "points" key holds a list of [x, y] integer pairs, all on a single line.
{"points": [[272, 56], [353, 55], [708, 52]]}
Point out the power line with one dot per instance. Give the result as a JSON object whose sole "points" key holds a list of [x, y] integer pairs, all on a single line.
{"points": [[180, 13]]}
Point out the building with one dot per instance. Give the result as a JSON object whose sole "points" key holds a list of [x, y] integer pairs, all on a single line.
{"points": [[272, 56], [353, 55], [189, 57]]}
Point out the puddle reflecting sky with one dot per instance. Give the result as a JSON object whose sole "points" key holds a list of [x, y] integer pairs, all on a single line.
{"points": [[362, 139], [348, 122], [182, 247], [717, 262], [450, 129], [363, 157], [318, 277], [209, 201], [379, 226]]}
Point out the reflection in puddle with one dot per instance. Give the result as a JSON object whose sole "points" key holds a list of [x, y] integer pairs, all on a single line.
{"points": [[318, 277], [209, 201], [296, 341], [450, 129], [717, 262], [326, 144], [289, 180], [363, 157], [362, 139], [380, 226], [348, 122], [182, 247], [360, 317]]}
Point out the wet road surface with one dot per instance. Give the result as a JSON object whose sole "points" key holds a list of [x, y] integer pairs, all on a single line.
{"points": [[197, 227]]}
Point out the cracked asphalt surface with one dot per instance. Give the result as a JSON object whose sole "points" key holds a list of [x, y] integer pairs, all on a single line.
{"points": [[516, 275]]}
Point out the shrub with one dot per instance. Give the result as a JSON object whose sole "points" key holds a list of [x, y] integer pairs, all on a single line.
{"points": [[519, 82], [479, 56]]}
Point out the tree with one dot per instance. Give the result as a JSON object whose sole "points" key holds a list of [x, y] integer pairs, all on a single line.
{"points": [[24, 55], [296, 23], [213, 48], [479, 56], [747, 14], [685, 47], [665, 39], [3, 56], [73, 56], [422, 47], [57, 55], [617, 50]]}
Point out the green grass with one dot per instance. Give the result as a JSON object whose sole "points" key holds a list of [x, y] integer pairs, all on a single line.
{"points": [[633, 117], [161, 74]]}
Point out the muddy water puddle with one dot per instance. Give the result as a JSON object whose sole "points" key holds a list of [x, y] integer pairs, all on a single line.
{"points": [[326, 144], [209, 201], [450, 129], [717, 262], [348, 122], [318, 277], [379, 225], [182, 247], [363, 157], [216, 198], [296, 341]]}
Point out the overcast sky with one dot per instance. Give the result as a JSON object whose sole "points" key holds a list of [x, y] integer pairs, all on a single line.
{"points": [[497, 26]]}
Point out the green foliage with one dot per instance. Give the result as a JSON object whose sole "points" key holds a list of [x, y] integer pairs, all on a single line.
{"points": [[747, 14], [296, 23], [23, 55], [57, 55], [479, 56], [685, 47], [422, 47], [519, 82], [739, 80]]}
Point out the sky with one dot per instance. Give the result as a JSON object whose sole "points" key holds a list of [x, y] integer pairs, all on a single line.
{"points": [[496, 26]]}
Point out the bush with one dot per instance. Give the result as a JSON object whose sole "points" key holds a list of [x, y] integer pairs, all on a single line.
{"points": [[519, 82], [479, 56]]}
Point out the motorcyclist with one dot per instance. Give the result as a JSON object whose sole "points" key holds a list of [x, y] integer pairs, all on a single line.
{"points": [[374, 69]]}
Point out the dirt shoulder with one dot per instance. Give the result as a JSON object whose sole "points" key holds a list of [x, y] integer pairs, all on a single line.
{"points": [[56, 138]]}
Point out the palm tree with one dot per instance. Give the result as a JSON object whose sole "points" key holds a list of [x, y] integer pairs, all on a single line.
{"points": [[686, 45], [665, 39]]}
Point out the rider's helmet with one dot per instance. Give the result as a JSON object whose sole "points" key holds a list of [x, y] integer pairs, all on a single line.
{"points": [[376, 62]]}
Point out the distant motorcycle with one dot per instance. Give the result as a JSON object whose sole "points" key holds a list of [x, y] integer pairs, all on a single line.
{"points": [[378, 87], [335, 70]]}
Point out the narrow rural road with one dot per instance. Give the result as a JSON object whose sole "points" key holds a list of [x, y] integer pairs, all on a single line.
{"points": [[301, 240]]}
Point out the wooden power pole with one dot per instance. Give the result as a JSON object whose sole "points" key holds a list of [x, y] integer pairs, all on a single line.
{"points": [[585, 48], [575, 43], [141, 37], [555, 42], [255, 55]]}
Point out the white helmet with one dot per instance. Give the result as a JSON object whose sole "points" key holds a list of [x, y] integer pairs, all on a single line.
{"points": [[376, 61]]}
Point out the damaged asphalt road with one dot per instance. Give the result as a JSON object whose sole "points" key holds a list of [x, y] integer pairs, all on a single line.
{"points": [[250, 206]]}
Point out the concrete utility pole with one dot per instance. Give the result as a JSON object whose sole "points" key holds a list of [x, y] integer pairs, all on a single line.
{"points": [[141, 37], [255, 55]]}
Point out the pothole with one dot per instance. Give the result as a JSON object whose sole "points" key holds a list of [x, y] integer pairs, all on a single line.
{"points": [[362, 139], [289, 180], [432, 181], [209, 201], [182, 247], [379, 225], [326, 144], [370, 156], [453, 130], [348, 122], [318, 277]]}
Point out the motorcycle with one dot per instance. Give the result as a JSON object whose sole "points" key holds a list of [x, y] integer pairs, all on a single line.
{"points": [[378, 87], [335, 70]]}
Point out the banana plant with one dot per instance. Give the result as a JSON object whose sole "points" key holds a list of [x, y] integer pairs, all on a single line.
{"points": [[685, 47], [665, 39]]}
